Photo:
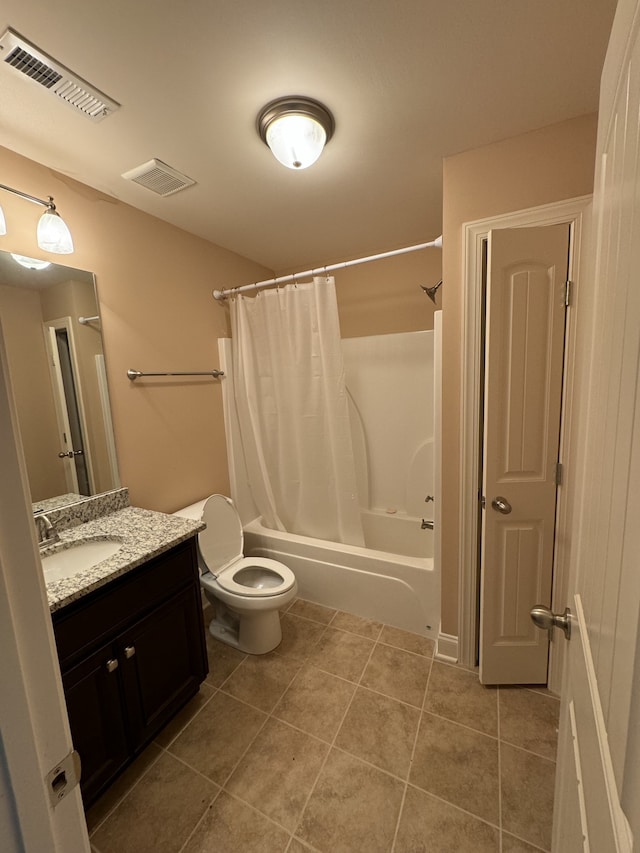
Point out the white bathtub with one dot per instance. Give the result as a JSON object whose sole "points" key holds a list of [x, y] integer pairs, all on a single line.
{"points": [[398, 590]]}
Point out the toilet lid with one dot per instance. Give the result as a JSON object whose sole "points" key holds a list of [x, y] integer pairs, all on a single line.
{"points": [[222, 542], [256, 576]]}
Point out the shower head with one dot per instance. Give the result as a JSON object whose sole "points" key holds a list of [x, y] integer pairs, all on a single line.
{"points": [[431, 291]]}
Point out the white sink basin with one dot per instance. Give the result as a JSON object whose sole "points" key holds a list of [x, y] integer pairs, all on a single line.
{"points": [[77, 558]]}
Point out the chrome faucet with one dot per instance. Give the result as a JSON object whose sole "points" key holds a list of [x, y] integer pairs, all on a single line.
{"points": [[46, 532], [426, 525]]}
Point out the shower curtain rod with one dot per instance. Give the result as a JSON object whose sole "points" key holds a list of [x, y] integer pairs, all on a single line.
{"points": [[286, 279]]}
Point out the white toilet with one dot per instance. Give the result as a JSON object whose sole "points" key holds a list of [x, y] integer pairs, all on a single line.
{"points": [[246, 592]]}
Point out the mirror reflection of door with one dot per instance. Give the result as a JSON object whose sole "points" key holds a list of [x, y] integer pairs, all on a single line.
{"points": [[67, 393], [30, 301]]}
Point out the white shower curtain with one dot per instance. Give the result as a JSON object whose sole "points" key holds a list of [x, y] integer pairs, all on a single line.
{"points": [[291, 402]]}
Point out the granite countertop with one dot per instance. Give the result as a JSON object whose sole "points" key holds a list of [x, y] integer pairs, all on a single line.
{"points": [[144, 534]]}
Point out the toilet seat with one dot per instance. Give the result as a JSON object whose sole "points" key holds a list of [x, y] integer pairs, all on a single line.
{"points": [[221, 548], [228, 579]]}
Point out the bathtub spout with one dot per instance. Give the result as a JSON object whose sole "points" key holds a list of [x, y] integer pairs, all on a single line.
{"points": [[426, 525]]}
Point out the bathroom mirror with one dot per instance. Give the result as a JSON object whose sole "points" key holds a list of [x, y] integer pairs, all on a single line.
{"points": [[56, 361]]}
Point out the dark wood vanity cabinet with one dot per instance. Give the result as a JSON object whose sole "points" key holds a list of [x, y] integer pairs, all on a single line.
{"points": [[131, 653]]}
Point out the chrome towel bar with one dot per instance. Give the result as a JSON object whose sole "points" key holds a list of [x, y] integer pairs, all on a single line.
{"points": [[134, 374]]}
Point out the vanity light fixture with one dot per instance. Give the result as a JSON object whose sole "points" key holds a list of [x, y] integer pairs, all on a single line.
{"points": [[296, 129], [30, 263], [53, 235]]}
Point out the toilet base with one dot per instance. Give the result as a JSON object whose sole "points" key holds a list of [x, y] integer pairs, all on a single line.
{"points": [[255, 634]]}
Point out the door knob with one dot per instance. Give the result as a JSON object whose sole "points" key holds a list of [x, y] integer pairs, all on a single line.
{"points": [[501, 505], [545, 619]]}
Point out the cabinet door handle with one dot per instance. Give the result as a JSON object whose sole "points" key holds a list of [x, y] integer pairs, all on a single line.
{"points": [[112, 664], [129, 651]]}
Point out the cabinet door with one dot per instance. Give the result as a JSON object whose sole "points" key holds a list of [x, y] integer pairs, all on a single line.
{"points": [[93, 694], [163, 663]]}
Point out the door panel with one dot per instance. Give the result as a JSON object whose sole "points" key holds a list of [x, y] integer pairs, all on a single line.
{"points": [[162, 663], [93, 695], [590, 818], [527, 273], [600, 694]]}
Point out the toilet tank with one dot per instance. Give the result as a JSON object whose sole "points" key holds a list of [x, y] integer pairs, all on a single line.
{"points": [[193, 511]]}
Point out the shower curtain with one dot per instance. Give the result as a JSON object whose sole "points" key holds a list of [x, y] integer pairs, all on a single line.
{"points": [[291, 403]]}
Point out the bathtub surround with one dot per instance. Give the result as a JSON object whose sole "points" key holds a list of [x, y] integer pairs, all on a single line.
{"points": [[292, 411], [394, 455], [393, 588], [393, 578]]}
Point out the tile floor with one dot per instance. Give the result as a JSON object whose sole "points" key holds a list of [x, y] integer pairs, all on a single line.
{"points": [[348, 738]]}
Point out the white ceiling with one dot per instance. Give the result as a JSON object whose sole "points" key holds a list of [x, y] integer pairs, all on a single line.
{"points": [[408, 82]]}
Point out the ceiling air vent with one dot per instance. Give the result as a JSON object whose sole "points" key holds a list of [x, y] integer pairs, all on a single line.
{"points": [[158, 177], [34, 63]]}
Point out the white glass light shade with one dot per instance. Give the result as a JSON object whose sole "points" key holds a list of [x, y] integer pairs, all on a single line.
{"points": [[296, 140], [3, 223], [30, 263], [53, 234]]}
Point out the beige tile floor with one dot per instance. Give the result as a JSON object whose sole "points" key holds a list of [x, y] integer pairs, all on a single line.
{"points": [[348, 738]]}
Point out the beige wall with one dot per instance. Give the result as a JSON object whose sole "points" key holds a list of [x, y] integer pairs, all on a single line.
{"points": [[547, 165], [384, 297], [154, 288]]}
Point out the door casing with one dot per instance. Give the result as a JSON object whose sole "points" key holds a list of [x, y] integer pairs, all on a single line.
{"points": [[575, 213]]}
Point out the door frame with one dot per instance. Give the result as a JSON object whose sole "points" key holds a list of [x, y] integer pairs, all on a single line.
{"points": [[573, 211]]}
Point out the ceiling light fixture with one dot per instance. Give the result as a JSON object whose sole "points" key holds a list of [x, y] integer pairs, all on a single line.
{"points": [[296, 129], [53, 234]]}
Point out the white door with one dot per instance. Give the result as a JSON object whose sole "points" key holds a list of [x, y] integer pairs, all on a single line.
{"points": [[34, 729], [598, 776], [525, 322]]}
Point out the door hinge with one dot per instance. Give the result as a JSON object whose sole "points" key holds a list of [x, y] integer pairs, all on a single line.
{"points": [[568, 292], [559, 474], [63, 778]]}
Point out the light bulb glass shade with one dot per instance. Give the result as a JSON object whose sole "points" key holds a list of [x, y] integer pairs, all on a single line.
{"points": [[296, 129], [53, 234], [3, 223], [296, 140], [30, 263]]}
